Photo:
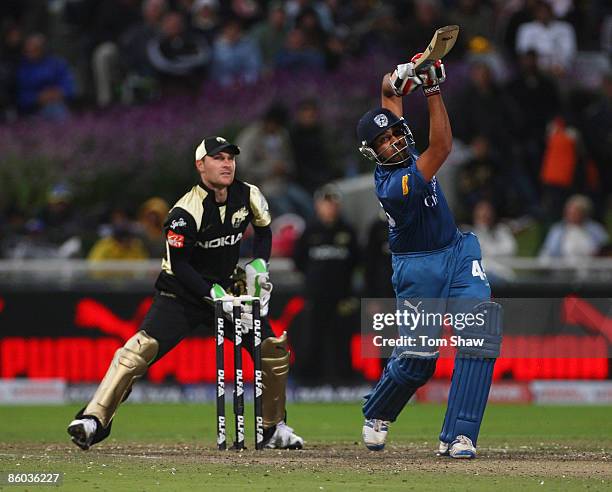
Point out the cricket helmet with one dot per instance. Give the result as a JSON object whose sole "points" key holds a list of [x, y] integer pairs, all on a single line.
{"points": [[374, 123]]}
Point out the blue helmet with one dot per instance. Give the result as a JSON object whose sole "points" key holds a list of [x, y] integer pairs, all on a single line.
{"points": [[376, 122]]}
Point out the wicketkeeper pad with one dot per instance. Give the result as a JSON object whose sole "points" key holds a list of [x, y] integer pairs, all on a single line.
{"points": [[129, 363], [275, 369]]}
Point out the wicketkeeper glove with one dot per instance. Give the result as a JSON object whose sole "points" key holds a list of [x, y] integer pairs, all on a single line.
{"points": [[218, 292], [258, 283]]}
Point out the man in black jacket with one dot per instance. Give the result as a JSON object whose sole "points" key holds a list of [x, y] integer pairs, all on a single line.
{"points": [[327, 253]]}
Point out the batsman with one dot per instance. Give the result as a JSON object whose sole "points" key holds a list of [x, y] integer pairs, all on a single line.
{"points": [[203, 231], [431, 259]]}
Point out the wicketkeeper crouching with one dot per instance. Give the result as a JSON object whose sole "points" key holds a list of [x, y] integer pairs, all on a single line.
{"points": [[203, 232]]}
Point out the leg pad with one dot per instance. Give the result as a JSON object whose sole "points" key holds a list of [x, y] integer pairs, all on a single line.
{"points": [[467, 398], [129, 363], [275, 371]]}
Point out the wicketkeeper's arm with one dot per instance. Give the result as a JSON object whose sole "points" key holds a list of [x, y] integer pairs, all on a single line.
{"points": [[262, 242]]}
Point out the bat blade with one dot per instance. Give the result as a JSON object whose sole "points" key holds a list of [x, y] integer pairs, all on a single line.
{"points": [[442, 42]]}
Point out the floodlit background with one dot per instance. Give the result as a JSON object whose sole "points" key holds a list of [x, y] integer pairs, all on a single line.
{"points": [[103, 103]]}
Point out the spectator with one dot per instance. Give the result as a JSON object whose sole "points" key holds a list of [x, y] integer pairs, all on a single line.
{"points": [[597, 131], [311, 148], [473, 114], [553, 40], [476, 20], [496, 239], [44, 82], [266, 161], [119, 240], [378, 270], [55, 232], [481, 177], [205, 19], [151, 219], [327, 253], [61, 222], [296, 55], [134, 43], [511, 17], [563, 154], [177, 55], [576, 236], [112, 19], [11, 47], [248, 12], [425, 19], [308, 22], [236, 57], [270, 34], [535, 95], [322, 9], [122, 244]]}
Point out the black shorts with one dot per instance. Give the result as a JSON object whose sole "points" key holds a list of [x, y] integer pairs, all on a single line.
{"points": [[169, 320]]}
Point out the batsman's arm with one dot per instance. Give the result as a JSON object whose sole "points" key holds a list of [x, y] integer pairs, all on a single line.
{"points": [[389, 100], [440, 138]]}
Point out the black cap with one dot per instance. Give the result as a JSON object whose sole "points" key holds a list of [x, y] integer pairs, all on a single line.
{"points": [[375, 122], [214, 145]]}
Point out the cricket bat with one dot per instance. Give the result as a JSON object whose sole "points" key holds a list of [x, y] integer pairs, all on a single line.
{"points": [[442, 42]]}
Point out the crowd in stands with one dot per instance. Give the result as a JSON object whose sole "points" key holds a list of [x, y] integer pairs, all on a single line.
{"points": [[532, 120]]}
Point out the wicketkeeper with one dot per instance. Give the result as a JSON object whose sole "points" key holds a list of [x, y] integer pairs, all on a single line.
{"points": [[203, 232]]}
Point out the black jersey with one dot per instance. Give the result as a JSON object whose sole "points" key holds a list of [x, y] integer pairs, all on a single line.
{"points": [[327, 255], [203, 238]]}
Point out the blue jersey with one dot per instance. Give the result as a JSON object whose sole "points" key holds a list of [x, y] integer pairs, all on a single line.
{"points": [[419, 217]]}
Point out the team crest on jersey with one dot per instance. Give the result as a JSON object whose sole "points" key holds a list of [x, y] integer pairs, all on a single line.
{"points": [[175, 240], [381, 120], [238, 217]]}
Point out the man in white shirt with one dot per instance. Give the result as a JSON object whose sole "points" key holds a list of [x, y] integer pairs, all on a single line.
{"points": [[553, 40]]}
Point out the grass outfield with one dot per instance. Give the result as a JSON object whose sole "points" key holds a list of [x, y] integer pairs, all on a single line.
{"points": [[171, 447]]}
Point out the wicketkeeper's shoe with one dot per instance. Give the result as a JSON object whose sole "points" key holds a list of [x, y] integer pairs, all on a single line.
{"points": [[284, 438], [375, 434], [82, 432], [462, 448], [442, 449]]}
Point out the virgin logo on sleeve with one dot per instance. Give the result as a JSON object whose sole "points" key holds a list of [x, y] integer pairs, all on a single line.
{"points": [[178, 223], [175, 240]]}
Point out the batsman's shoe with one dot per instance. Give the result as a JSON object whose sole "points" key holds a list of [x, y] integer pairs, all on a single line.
{"points": [[442, 449], [82, 432], [462, 448], [284, 438], [375, 434]]}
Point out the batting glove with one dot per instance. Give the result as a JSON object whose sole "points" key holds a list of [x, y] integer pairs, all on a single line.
{"points": [[431, 76], [404, 79]]}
